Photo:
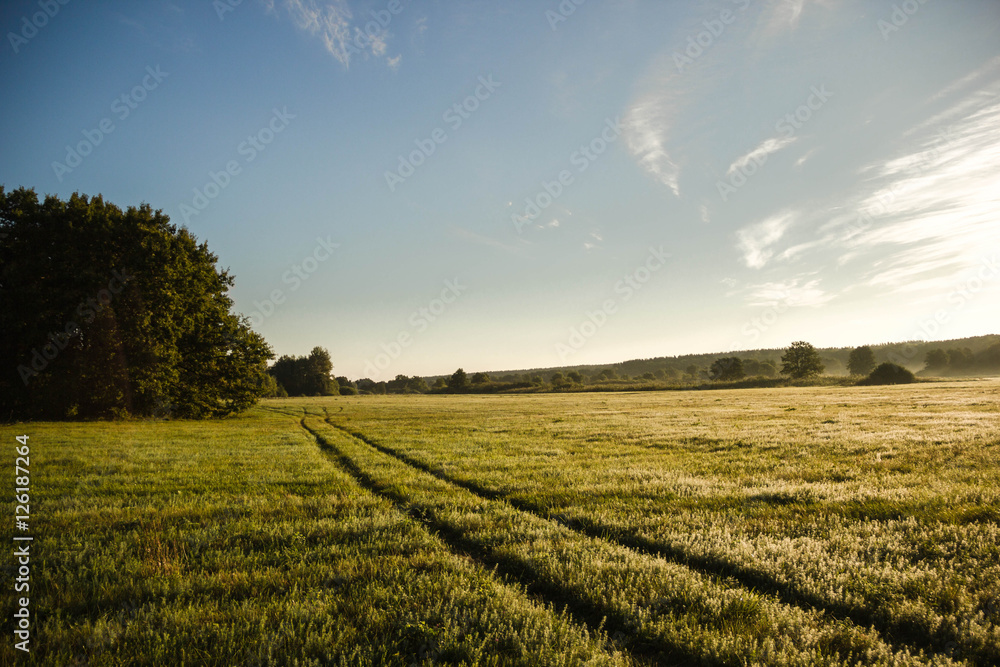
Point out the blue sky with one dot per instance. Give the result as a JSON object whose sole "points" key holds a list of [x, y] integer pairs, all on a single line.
{"points": [[424, 185]]}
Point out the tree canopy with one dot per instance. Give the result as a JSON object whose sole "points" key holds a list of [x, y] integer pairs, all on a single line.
{"points": [[727, 369], [459, 380], [861, 361], [306, 376], [801, 361], [106, 312]]}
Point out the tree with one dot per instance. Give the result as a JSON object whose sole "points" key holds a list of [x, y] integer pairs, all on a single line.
{"points": [[480, 378], [754, 368], [861, 361], [575, 377], [107, 312], [989, 358], [959, 359], [936, 360], [417, 385], [319, 367], [800, 361], [458, 381], [727, 369], [306, 376]]}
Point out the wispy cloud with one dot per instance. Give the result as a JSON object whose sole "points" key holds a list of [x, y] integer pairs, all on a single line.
{"points": [[802, 160], [941, 211], [331, 21], [671, 90], [647, 128], [767, 147], [757, 241], [920, 218], [796, 292]]}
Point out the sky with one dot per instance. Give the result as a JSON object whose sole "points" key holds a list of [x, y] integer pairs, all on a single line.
{"points": [[423, 185]]}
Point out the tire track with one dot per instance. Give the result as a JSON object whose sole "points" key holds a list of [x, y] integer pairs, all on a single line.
{"points": [[898, 635], [581, 611]]}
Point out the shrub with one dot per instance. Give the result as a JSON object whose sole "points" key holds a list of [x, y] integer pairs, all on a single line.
{"points": [[889, 373]]}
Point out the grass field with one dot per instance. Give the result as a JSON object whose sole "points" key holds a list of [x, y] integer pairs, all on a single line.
{"points": [[797, 526]]}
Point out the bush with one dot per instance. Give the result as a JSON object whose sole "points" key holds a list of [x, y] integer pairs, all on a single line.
{"points": [[889, 373], [348, 391]]}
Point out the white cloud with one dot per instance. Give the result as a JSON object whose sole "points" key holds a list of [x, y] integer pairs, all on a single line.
{"points": [[792, 293], [767, 147], [647, 128], [330, 20], [756, 241], [928, 214], [802, 160], [937, 208]]}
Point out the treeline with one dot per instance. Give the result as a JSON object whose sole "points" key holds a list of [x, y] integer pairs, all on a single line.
{"points": [[962, 361], [696, 368], [799, 363]]}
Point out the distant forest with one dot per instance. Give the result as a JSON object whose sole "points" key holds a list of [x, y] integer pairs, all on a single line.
{"points": [[966, 357]]}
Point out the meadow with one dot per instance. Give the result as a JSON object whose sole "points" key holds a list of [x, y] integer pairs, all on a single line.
{"points": [[791, 526]]}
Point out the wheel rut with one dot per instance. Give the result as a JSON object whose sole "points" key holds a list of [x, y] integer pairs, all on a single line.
{"points": [[748, 578], [597, 620]]}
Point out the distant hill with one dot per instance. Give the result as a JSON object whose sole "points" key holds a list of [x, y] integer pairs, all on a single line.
{"points": [[910, 354]]}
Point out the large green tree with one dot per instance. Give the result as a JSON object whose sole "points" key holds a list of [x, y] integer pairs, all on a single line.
{"points": [[801, 360], [107, 312]]}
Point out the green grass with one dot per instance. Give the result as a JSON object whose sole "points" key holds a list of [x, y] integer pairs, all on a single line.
{"points": [[795, 526]]}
